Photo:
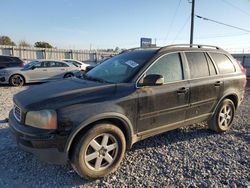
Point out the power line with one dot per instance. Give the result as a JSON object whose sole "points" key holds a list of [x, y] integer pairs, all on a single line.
{"points": [[180, 31], [223, 36], [213, 36], [171, 24], [236, 7], [207, 19]]}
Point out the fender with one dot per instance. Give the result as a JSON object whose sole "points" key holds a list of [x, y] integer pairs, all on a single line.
{"points": [[223, 97], [114, 115], [25, 78]]}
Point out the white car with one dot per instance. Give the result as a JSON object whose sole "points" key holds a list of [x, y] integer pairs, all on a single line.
{"points": [[38, 71], [77, 63]]}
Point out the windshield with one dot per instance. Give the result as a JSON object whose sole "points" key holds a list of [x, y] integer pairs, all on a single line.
{"points": [[120, 68], [29, 65]]}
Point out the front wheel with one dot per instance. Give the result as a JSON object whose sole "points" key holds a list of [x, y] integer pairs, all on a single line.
{"points": [[68, 75], [99, 151], [223, 116], [16, 80]]}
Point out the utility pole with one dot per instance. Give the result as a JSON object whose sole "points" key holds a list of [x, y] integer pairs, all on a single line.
{"points": [[192, 23]]}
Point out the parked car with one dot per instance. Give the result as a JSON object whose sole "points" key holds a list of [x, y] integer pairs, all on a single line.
{"points": [[38, 71], [93, 65], [80, 64], [10, 61], [132, 96]]}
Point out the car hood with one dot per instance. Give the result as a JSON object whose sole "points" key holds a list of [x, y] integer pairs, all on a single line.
{"points": [[54, 95]]}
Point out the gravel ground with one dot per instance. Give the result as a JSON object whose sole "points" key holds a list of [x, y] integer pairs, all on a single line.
{"points": [[191, 156]]}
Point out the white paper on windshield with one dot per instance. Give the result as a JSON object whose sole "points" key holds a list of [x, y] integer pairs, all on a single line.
{"points": [[131, 63]]}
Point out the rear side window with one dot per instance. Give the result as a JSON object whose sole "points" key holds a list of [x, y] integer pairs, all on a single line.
{"points": [[224, 64], [169, 66], [198, 64]]}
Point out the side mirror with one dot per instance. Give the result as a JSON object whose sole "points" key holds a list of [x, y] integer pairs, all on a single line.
{"points": [[153, 80]]}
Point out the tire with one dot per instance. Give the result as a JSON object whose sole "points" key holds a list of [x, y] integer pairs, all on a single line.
{"points": [[99, 151], [223, 116], [16, 80], [68, 75]]}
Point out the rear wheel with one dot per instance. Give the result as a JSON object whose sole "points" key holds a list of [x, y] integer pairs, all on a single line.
{"points": [[223, 117], [68, 75], [16, 80], [99, 151]]}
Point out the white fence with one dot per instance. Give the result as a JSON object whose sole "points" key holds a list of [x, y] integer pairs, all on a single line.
{"points": [[27, 53]]}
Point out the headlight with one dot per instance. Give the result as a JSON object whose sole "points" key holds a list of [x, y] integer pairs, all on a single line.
{"points": [[44, 119]]}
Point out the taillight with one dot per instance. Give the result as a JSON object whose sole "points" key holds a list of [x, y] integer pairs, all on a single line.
{"points": [[244, 71]]}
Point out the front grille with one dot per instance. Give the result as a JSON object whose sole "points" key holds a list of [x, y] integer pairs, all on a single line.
{"points": [[17, 113]]}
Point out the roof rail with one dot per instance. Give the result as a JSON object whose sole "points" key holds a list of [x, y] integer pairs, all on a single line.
{"points": [[137, 48], [189, 45]]}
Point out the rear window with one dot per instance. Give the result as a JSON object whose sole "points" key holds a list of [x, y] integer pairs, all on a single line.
{"points": [[197, 64], [12, 60], [16, 59], [224, 64]]}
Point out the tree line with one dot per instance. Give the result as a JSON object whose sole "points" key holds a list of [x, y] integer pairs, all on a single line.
{"points": [[5, 40]]}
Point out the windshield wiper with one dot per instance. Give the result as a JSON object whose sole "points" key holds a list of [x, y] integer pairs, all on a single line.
{"points": [[95, 79]]}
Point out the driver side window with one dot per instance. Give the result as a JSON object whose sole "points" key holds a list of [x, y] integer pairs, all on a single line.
{"points": [[169, 66]]}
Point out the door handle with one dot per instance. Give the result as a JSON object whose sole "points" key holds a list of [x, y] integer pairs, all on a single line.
{"points": [[218, 83], [182, 90], [62, 69], [44, 69]]}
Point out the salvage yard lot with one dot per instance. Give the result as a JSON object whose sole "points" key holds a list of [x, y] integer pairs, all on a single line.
{"points": [[183, 157]]}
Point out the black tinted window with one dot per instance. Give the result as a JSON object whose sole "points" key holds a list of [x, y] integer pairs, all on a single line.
{"points": [[197, 64], [16, 60], [169, 66], [223, 62]]}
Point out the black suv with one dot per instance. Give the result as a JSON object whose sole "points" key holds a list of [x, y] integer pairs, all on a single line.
{"points": [[129, 97], [10, 61]]}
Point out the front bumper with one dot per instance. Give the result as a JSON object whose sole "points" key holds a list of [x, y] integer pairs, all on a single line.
{"points": [[42, 143]]}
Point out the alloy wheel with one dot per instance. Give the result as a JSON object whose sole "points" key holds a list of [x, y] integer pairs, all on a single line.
{"points": [[17, 80], [225, 116], [101, 152]]}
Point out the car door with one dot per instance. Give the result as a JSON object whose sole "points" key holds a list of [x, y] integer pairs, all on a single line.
{"points": [[165, 104], [205, 84], [53, 70], [37, 72], [58, 69]]}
